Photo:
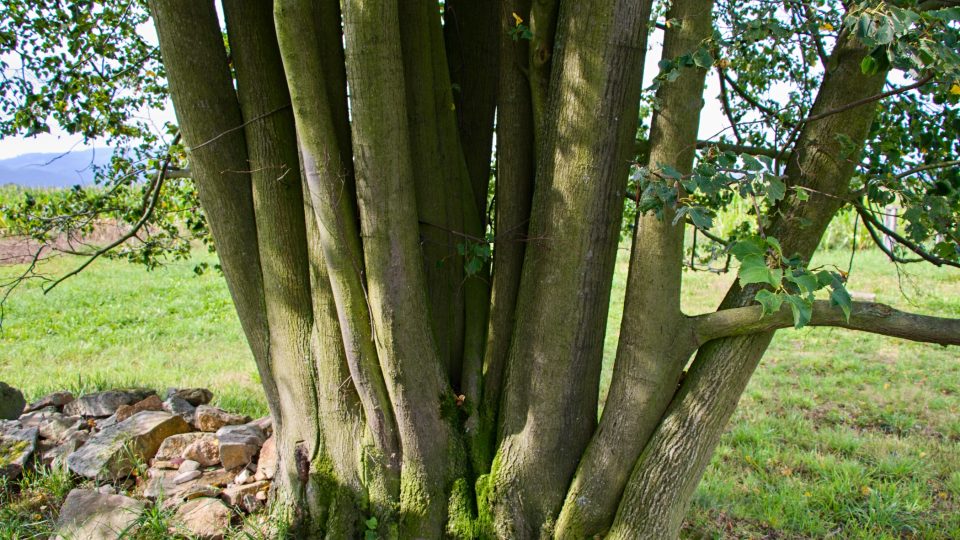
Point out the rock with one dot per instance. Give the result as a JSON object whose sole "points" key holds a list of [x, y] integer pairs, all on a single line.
{"points": [[188, 465], [70, 444], [181, 408], [173, 446], [89, 515], [106, 403], [183, 477], [56, 399], [233, 495], [198, 491], [251, 504], [111, 453], [35, 418], [107, 490], [193, 396], [11, 402], [205, 518], [238, 444], [151, 403], [160, 483], [265, 424], [17, 445], [205, 450], [267, 464], [244, 477], [57, 426], [165, 464], [210, 419]]}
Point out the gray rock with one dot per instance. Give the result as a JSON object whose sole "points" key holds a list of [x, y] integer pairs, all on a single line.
{"points": [[193, 396], [56, 399], [70, 444], [188, 465], [111, 454], [181, 408], [11, 402], [90, 515], [58, 426], [205, 518], [211, 419], [106, 403], [35, 418], [160, 483], [239, 444], [17, 445], [183, 477], [233, 495], [265, 424]]}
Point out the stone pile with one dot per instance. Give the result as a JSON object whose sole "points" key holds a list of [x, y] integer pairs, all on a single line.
{"points": [[204, 463]]}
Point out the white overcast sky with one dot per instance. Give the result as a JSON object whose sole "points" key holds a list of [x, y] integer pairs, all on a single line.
{"points": [[712, 118]]}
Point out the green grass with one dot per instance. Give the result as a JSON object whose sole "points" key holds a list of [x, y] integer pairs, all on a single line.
{"points": [[839, 434]]}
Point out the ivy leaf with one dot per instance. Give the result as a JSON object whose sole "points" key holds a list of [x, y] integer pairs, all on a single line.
{"points": [[869, 65], [776, 190], [702, 58], [802, 309], [770, 301]]}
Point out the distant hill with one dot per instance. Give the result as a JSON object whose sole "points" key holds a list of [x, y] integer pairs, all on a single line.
{"points": [[53, 170]]}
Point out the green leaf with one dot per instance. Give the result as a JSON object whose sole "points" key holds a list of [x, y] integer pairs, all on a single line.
{"points": [[751, 163], [840, 297], [746, 248], [670, 172], [802, 309], [775, 244], [801, 194], [869, 65], [372, 522], [770, 301], [807, 282], [754, 269], [776, 189]]}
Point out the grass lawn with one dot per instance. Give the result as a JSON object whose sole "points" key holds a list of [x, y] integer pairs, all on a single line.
{"points": [[839, 434]]}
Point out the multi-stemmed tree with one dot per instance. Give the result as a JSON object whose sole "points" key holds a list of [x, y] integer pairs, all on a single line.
{"points": [[428, 326]]}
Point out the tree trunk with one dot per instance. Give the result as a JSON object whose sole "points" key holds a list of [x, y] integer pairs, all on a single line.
{"points": [[408, 381]]}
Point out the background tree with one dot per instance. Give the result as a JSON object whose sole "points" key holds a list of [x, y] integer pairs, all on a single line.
{"points": [[340, 155]]}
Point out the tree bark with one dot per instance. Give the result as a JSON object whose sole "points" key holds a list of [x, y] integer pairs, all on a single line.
{"points": [[549, 406], [654, 343]]}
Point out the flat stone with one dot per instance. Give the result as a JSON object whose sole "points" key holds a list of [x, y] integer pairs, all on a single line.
{"points": [[210, 419], [11, 402], [110, 454], [151, 403], [56, 399], [89, 515], [173, 446], [244, 477], [105, 403], [233, 495], [205, 518], [183, 477], [160, 484], [188, 465], [181, 408], [17, 445], [35, 418], [267, 464], [205, 450], [165, 464], [193, 396]]}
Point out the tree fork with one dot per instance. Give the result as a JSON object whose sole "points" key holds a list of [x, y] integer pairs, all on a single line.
{"points": [[655, 345], [310, 63], [668, 470]]}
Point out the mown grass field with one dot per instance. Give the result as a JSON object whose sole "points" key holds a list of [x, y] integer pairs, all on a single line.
{"points": [[839, 434]]}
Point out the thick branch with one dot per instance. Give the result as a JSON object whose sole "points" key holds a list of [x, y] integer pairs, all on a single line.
{"points": [[871, 221], [864, 316]]}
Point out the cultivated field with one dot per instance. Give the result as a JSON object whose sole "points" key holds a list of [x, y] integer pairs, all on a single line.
{"points": [[839, 434]]}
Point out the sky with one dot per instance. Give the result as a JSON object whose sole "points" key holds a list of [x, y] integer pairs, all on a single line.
{"points": [[712, 118]]}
